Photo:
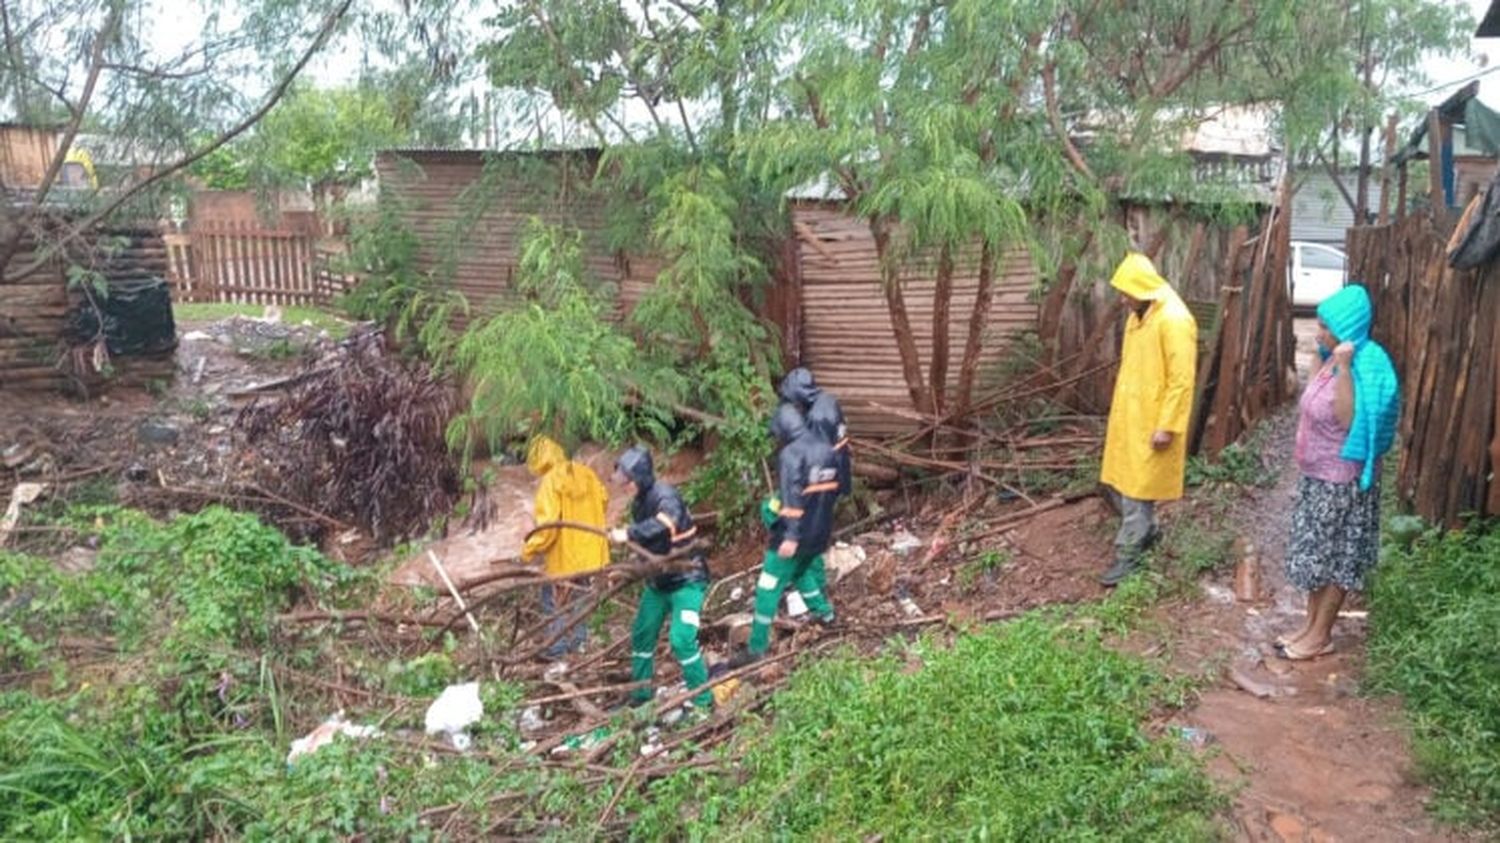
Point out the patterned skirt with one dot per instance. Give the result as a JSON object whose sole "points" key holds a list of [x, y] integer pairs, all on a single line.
{"points": [[1335, 535]]}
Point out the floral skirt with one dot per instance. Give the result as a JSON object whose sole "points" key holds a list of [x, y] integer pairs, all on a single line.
{"points": [[1335, 535]]}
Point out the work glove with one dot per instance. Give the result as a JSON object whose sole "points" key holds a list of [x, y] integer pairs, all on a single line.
{"points": [[770, 510], [618, 535]]}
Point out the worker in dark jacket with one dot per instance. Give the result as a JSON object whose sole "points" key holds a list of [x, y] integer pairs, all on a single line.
{"points": [[824, 416], [800, 520], [661, 524]]}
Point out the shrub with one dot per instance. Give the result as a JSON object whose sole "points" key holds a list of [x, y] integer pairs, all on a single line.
{"points": [[1435, 640]]}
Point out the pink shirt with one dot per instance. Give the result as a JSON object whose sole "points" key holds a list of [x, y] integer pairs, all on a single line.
{"points": [[1320, 435]]}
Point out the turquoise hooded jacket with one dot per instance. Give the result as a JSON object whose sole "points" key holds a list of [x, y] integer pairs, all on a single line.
{"points": [[1377, 390]]}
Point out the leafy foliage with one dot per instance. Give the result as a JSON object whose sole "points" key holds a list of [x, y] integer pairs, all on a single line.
{"points": [[1435, 641], [553, 362], [1019, 732]]}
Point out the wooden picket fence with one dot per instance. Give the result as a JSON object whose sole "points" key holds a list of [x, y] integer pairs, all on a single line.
{"points": [[234, 261]]}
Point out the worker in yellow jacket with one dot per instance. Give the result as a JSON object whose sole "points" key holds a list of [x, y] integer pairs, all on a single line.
{"points": [[569, 491], [1145, 446]]}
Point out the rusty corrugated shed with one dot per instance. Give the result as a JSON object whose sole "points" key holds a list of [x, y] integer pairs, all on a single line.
{"points": [[847, 339], [469, 215], [34, 308]]}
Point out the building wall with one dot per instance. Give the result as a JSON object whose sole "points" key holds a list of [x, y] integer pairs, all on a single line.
{"points": [[25, 153], [846, 335], [469, 224], [1319, 212]]}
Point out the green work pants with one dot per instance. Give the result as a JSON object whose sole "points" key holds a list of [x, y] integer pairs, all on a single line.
{"points": [[683, 605], [776, 575]]}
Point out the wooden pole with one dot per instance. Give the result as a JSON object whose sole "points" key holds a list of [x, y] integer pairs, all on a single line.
{"points": [[1385, 170], [1435, 165], [458, 598]]}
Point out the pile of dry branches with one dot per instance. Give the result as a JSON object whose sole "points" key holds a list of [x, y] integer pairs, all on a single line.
{"points": [[358, 437]]}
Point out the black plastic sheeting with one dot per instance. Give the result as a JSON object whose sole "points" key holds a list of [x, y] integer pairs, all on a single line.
{"points": [[137, 317], [1481, 240]]}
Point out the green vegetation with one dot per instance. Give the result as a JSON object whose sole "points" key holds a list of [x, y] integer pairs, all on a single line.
{"points": [[1239, 464], [1025, 731], [336, 326], [1435, 641]]}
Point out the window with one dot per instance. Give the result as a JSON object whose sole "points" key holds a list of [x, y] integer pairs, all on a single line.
{"points": [[1318, 257]]}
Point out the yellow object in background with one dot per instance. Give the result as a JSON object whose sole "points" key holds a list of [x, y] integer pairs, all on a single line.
{"points": [[569, 491]]}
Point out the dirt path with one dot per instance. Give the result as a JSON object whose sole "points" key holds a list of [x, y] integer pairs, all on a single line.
{"points": [[1309, 758]]}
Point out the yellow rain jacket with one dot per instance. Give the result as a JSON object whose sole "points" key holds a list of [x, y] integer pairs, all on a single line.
{"points": [[570, 491], [1153, 390]]}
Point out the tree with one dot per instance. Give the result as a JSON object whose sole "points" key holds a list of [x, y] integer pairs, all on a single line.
{"points": [[129, 92], [1367, 66], [953, 127]]}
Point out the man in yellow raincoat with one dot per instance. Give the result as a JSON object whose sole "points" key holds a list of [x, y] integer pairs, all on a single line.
{"points": [[1145, 447], [569, 491]]}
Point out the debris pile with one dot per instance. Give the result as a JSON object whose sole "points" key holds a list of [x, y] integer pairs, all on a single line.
{"points": [[358, 437]]}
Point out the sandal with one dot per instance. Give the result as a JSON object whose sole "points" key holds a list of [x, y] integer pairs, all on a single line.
{"points": [[1289, 655]]}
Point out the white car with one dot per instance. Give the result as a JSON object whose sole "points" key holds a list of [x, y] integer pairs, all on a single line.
{"points": [[1316, 272]]}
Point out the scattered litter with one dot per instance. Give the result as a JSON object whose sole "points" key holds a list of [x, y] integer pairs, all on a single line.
{"points": [[842, 559], [1194, 737], [737, 594], [195, 336], [651, 742], [23, 494], [555, 671], [911, 609], [454, 711], [531, 719], [1217, 593], [578, 743], [325, 733], [796, 607], [725, 691], [903, 542]]}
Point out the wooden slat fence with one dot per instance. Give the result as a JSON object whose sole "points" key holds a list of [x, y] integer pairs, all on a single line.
{"points": [[234, 261], [1442, 329]]}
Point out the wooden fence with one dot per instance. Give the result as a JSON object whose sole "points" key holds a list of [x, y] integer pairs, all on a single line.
{"points": [[1233, 281], [1442, 329], [241, 262]]}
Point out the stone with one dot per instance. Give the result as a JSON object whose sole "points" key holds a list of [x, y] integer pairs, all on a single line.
{"points": [[1289, 828], [153, 432]]}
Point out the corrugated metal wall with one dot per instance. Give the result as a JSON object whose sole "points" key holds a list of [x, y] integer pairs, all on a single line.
{"points": [[847, 339], [470, 221]]}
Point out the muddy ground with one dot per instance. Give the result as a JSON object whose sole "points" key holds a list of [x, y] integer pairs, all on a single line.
{"points": [[1306, 756]]}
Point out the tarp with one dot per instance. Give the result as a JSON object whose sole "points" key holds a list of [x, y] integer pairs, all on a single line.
{"points": [[1479, 239], [137, 317]]}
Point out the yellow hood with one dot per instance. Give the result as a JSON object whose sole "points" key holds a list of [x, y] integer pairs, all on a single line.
{"points": [[1136, 277], [543, 456]]}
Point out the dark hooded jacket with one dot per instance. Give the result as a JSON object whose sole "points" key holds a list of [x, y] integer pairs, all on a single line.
{"points": [[824, 416], [807, 481], [660, 519]]}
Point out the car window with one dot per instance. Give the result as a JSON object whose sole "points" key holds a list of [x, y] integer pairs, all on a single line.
{"points": [[1317, 258]]}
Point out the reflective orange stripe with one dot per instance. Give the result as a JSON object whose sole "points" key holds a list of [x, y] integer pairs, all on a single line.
{"points": [[831, 486], [666, 521], [841, 444], [791, 512]]}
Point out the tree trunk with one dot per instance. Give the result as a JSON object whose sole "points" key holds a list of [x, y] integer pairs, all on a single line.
{"points": [[942, 304], [984, 295], [906, 343], [1057, 300]]}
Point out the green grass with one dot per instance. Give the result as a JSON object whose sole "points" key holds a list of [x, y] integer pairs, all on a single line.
{"points": [[1027, 731], [336, 326], [1435, 641]]}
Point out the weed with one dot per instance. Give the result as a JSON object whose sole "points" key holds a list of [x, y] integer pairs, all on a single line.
{"points": [[1238, 464], [985, 564], [1435, 641], [1020, 732]]}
